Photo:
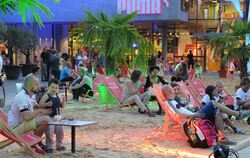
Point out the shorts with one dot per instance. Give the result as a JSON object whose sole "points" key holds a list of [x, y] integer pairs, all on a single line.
{"points": [[210, 111], [26, 126], [231, 72]]}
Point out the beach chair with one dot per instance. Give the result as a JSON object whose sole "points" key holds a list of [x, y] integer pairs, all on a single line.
{"points": [[170, 112], [19, 87], [184, 89], [198, 87], [25, 141], [113, 87], [191, 74]]}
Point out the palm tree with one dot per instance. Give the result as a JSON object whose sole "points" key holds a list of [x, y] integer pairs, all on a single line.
{"points": [[232, 45], [114, 37], [26, 8]]}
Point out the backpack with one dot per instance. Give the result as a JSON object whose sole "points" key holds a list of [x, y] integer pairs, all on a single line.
{"points": [[200, 133]]}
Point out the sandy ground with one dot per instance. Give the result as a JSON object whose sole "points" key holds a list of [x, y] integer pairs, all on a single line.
{"points": [[125, 134]]}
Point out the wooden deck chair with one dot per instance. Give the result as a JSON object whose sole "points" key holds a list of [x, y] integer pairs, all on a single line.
{"points": [[184, 89], [197, 86], [113, 87], [25, 141], [230, 98], [170, 112]]}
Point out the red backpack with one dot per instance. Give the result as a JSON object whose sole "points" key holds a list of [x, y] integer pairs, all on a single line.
{"points": [[200, 133]]}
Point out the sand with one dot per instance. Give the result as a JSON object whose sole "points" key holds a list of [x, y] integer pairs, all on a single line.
{"points": [[126, 134]]}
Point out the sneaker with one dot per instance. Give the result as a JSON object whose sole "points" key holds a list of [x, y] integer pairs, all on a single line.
{"points": [[239, 131], [242, 115], [62, 148]]}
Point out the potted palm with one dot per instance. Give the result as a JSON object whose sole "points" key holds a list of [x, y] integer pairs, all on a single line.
{"points": [[112, 36], [232, 45]]}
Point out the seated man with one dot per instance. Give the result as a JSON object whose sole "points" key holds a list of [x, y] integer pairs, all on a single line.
{"points": [[169, 94], [65, 75], [212, 111], [25, 114], [242, 95]]}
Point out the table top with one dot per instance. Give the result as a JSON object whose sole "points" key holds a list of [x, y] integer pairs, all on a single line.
{"points": [[76, 123]]}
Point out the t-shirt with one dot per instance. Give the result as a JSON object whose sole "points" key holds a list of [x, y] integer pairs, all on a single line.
{"points": [[206, 99], [54, 62], [65, 72], [22, 101], [178, 108], [240, 94], [231, 66]]}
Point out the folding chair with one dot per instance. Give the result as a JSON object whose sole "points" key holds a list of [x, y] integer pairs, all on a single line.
{"points": [[113, 87], [191, 74], [198, 87], [184, 89], [170, 111], [25, 141]]}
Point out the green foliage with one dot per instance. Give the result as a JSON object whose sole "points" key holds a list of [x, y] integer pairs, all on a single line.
{"points": [[18, 39], [112, 36], [26, 8], [232, 45]]}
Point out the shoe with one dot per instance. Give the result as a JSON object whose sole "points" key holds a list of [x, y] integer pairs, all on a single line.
{"points": [[239, 131], [242, 115], [39, 150], [42, 145], [49, 150], [226, 141], [62, 148]]}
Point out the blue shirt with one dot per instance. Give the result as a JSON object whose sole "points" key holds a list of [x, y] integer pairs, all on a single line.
{"points": [[65, 73]]}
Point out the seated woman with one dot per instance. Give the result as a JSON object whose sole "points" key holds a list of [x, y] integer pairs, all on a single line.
{"points": [[131, 93], [181, 73], [81, 85], [212, 94], [153, 78], [65, 75], [212, 111]]}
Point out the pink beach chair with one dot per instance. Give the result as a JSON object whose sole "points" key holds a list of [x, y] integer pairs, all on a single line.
{"points": [[170, 112], [184, 89], [25, 141], [113, 87], [198, 86], [191, 74]]}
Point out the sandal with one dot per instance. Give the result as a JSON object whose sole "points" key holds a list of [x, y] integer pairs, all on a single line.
{"points": [[226, 141]]}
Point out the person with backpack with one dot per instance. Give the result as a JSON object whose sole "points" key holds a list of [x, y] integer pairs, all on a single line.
{"points": [[212, 111], [212, 94]]}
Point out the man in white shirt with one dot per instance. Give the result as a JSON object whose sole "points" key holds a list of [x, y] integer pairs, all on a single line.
{"points": [[25, 114], [242, 95]]}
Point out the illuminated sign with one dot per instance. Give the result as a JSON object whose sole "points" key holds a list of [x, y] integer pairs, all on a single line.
{"points": [[143, 7]]}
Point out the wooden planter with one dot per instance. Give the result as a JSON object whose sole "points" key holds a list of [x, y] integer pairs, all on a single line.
{"points": [[27, 68], [223, 73]]}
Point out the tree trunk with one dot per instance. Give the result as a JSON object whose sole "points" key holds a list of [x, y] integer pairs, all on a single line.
{"points": [[27, 57], [243, 68], [110, 65], [10, 53]]}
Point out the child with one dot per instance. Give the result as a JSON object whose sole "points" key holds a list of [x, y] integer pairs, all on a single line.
{"points": [[198, 70], [52, 95]]}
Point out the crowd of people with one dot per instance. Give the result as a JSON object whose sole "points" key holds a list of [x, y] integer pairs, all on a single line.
{"points": [[27, 114]]}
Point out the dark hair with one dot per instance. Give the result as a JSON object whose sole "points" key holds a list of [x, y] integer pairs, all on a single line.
{"points": [[53, 80], [209, 91], [35, 69], [245, 81], [154, 68], [135, 76], [174, 85]]}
